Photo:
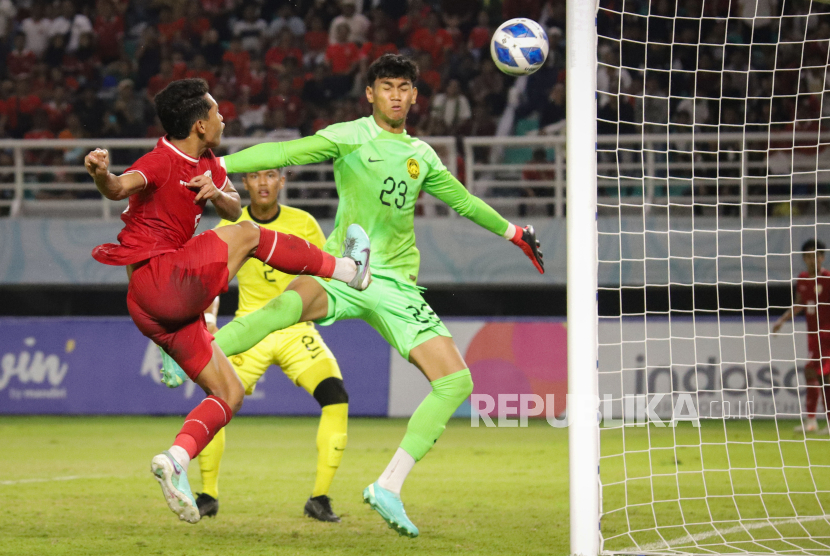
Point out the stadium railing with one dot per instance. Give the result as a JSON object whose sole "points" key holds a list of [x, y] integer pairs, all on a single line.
{"points": [[739, 168]]}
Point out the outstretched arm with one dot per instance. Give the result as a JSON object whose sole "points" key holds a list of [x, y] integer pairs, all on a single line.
{"points": [[796, 309], [445, 187], [111, 186], [308, 150]]}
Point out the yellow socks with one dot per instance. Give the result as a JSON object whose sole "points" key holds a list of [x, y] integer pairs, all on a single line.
{"points": [[331, 441], [209, 461]]}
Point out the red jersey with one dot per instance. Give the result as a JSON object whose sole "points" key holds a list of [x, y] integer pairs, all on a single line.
{"points": [[342, 56], [815, 294], [161, 217]]}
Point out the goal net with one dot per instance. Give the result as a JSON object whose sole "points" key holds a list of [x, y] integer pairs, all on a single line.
{"points": [[713, 170]]}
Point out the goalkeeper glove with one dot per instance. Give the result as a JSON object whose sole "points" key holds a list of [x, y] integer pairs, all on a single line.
{"points": [[525, 238]]}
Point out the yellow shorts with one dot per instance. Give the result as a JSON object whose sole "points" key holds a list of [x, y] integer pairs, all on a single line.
{"points": [[294, 349]]}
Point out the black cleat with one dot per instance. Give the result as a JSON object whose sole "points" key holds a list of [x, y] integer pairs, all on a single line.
{"points": [[319, 508], [208, 505]]}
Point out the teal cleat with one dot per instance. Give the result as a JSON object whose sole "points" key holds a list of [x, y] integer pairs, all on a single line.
{"points": [[172, 374], [356, 247], [389, 506], [174, 485]]}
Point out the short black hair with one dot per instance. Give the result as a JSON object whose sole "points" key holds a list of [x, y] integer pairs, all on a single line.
{"points": [[813, 245], [392, 65], [181, 104]]}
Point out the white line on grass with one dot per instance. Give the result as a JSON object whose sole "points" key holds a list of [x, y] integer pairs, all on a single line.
{"points": [[50, 479], [736, 529]]}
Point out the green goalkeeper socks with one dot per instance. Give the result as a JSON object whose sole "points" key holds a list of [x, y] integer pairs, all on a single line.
{"points": [[430, 419], [243, 333]]}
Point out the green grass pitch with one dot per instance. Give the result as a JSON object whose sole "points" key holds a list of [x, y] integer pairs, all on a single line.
{"points": [[82, 486], [728, 486]]}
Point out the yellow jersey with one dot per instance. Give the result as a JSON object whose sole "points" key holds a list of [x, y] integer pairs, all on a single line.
{"points": [[258, 282]]}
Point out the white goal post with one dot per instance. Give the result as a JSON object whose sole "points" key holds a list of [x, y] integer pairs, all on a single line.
{"points": [[686, 221], [581, 194]]}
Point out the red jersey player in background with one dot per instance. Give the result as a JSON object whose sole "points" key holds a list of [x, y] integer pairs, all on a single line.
{"points": [[812, 296], [174, 276]]}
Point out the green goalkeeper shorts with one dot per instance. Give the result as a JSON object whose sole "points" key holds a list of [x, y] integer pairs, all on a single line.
{"points": [[396, 310]]}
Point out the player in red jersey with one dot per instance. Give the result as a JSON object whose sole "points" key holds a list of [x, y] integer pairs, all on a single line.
{"points": [[174, 276], [812, 296]]}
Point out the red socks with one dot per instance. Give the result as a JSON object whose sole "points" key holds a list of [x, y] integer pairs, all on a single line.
{"points": [[811, 404], [292, 255], [202, 424]]}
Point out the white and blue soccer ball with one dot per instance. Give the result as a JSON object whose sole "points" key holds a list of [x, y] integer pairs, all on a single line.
{"points": [[519, 46]]}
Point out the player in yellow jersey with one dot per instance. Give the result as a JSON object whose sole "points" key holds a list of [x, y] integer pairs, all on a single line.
{"points": [[299, 350]]}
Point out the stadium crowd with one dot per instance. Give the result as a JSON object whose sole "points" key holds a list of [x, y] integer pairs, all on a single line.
{"points": [[278, 69], [285, 69]]}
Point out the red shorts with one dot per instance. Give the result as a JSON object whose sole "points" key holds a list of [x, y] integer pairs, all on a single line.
{"points": [[818, 348], [168, 295]]}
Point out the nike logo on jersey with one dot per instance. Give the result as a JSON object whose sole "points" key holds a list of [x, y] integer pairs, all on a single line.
{"points": [[370, 160]]}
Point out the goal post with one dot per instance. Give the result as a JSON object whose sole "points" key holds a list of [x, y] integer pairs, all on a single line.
{"points": [[712, 170], [698, 164], [581, 193]]}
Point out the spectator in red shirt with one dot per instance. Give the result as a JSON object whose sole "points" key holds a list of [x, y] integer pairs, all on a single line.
{"points": [[343, 56], [288, 102], [20, 61], [199, 69], [411, 22], [58, 108], [39, 80], [227, 78], [240, 58], [283, 49], [109, 28], [379, 46], [316, 39], [481, 33], [428, 76], [27, 102], [196, 24], [179, 66], [225, 106], [169, 26], [432, 39], [161, 79], [254, 82]]}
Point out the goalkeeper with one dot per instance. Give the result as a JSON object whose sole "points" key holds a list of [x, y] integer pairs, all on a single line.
{"points": [[379, 171]]}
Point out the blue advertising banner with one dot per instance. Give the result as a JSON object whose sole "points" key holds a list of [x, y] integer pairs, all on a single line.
{"points": [[105, 366]]}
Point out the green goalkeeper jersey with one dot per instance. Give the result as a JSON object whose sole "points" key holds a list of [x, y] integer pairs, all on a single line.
{"points": [[379, 176]]}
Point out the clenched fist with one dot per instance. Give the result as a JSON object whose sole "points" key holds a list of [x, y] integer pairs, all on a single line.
{"points": [[97, 163]]}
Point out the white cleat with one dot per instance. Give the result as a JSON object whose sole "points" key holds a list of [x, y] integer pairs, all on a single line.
{"points": [[809, 426], [356, 246], [174, 486]]}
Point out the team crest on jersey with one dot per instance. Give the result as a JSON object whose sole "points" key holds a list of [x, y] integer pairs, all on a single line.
{"points": [[413, 168]]}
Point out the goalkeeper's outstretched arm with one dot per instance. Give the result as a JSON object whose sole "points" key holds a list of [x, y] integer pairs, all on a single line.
{"points": [[445, 187], [265, 156]]}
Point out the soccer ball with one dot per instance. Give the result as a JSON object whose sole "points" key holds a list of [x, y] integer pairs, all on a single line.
{"points": [[519, 46]]}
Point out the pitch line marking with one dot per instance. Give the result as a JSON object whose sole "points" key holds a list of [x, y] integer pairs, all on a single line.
{"points": [[735, 529], [51, 479]]}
